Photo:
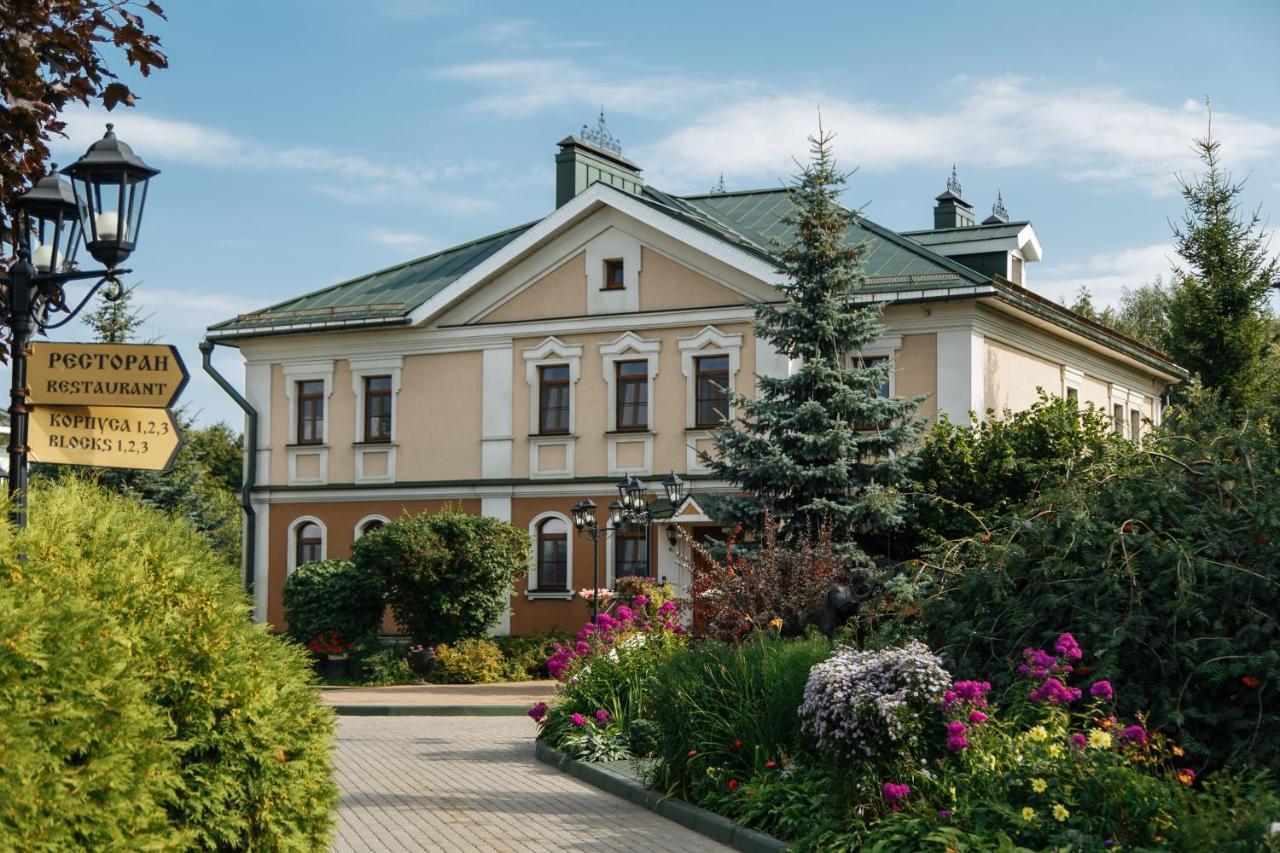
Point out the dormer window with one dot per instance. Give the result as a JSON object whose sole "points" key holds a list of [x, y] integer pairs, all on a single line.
{"points": [[614, 274]]}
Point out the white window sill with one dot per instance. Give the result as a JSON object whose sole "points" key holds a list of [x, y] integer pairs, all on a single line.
{"points": [[534, 595]]}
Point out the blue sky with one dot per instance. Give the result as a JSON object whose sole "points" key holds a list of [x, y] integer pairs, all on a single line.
{"points": [[307, 141]]}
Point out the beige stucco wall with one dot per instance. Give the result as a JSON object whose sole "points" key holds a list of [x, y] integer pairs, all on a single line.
{"points": [[438, 415], [916, 370], [668, 285], [1094, 390], [1012, 376], [560, 293]]}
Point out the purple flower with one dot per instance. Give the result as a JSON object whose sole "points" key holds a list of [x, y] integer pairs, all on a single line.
{"points": [[1054, 692], [956, 739], [642, 600], [624, 613], [538, 712], [1079, 741], [667, 608], [679, 629], [894, 794], [1102, 690], [583, 647], [966, 693], [578, 720], [944, 814], [1067, 647], [976, 717], [1038, 663], [1110, 842], [602, 717], [1135, 734]]}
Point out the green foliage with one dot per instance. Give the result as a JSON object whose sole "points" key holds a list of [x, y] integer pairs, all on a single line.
{"points": [[643, 736], [969, 472], [1168, 567], [468, 661], [1142, 313], [249, 742], [592, 742], [525, 657], [385, 668], [447, 576], [332, 595], [221, 451], [114, 321], [733, 706], [87, 759], [1220, 324], [821, 442]]}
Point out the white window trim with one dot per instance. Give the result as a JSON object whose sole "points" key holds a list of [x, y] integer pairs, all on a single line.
{"points": [[365, 367], [319, 450], [549, 353], [886, 346], [709, 342], [536, 442], [293, 540], [358, 530], [1136, 402], [1118, 396], [1072, 377], [303, 371], [626, 438], [531, 590], [628, 347]]}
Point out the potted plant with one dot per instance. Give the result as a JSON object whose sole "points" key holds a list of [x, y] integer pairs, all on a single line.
{"points": [[334, 651], [419, 658]]}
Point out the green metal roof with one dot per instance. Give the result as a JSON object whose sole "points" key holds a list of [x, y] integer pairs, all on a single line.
{"points": [[967, 234], [379, 298]]}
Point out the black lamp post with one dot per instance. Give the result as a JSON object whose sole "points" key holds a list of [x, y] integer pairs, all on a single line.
{"points": [[103, 203], [631, 509]]}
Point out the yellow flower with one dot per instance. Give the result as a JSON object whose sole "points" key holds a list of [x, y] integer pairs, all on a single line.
{"points": [[1028, 813], [1055, 750], [1098, 739], [991, 761], [775, 624], [1060, 812], [1038, 733], [1179, 751], [1038, 785], [953, 793]]}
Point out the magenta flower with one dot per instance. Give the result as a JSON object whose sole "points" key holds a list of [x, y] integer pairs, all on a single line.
{"points": [[1067, 647], [642, 600], [667, 608], [944, 814], [894, 794], [956, 740], [1079, 741], [578, 720], [624, 613], [679, 629], [1135, 734], [538, 712], [976, 717], [1054, 692], [1102, 690], [966, 693], [602, 717]]}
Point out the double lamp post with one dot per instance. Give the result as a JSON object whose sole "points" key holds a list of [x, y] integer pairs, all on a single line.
{"points": [[101, 204], [631, 510]]}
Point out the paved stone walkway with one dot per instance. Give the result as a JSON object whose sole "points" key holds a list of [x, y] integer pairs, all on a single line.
{"points": [[471, 783], [524, 694]]}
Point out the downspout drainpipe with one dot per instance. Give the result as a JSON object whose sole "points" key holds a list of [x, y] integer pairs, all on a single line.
{"points": [[251, 468]]}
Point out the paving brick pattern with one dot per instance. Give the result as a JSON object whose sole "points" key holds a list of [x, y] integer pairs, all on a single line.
{"points": [[471, 783]]}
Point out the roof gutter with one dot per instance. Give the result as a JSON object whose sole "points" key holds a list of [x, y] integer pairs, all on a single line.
{"points": [[251, 466]]}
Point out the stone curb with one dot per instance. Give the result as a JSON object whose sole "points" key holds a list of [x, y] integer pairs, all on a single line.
{"points": [[700, 820], [430, 710]]}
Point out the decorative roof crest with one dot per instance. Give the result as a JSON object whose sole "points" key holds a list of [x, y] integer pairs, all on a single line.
{"points": [[953, 183], [600, 136], [997, 209], [719, 188]]}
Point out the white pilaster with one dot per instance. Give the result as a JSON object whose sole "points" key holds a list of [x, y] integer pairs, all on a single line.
{"points": [[495, 430], [961, 381], [499, 508]]}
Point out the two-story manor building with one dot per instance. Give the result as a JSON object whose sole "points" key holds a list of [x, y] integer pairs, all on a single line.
{"points": [[522, 372]]}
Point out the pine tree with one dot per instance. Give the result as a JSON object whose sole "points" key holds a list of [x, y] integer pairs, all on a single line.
{"points": [[115, 321], [821, 442], [1220, 325]]}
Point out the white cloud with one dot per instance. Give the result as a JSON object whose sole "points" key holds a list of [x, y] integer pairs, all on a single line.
{"points": [[1094, 135], [1104, 275], [406, 239], [349, 177]]}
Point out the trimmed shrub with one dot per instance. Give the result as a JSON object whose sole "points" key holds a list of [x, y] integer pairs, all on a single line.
{"points": [[525, 657], [467, 662], [332, 595], [85, 757], [248, 740], [447, 576]]}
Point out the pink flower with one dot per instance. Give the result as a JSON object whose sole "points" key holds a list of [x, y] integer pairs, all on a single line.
{"points": [[976, 717], [1054, 692], [679, 629], [1102, 690], [956, 740], [667, 608], [642, 600], [966, 693], [1079, 741], [894, 794], [538, 712], [602, 717], [769, 765], [578, 720], [624, 613], [1067, 647], [1135, 734]]}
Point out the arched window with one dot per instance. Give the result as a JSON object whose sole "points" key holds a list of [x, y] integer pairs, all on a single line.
{"points": [[369, 524], [309, 543], [553, 555]]}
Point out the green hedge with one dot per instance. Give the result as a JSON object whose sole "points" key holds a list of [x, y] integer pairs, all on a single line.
{"points": [[148, 610], [332, 595]]}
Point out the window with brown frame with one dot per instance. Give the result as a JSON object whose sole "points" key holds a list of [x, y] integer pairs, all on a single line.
{"points": [[631, 553], [309, 544], [377, 408], [311, 411], [553, 555], [553, 399], [711, 390], [632, 390], [614, 274]]}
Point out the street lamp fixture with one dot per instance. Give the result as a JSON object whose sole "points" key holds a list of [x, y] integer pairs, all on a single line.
{"points": [[103, 206], [675, 489]]}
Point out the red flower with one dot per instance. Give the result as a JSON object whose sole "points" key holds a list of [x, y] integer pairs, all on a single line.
{"points": [[692, 753], [769, 765], [1128, 528], [986, 537], [733, 785], [1263, 540], [737, 744], [1250, 681]]}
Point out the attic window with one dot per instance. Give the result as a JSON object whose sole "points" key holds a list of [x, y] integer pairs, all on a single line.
{"points": [[614, 277]]}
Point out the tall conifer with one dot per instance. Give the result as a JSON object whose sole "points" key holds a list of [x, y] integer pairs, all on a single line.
{"points": [[823, 441]]}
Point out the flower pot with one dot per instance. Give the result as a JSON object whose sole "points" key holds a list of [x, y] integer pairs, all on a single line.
{"points": [[419, 660], [335, 667]]}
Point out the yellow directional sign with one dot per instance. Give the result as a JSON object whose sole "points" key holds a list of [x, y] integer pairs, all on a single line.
{"points": [[105, 374], [109, 436]]}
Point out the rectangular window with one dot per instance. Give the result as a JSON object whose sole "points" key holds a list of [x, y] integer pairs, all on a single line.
{"points": [[614, 275], [377, 408], [1073, 394], [1117, 419], [631, 553], [553, 561], [633, 395], [311, 411], [553, 399], [1135, 424], [711, 390]]}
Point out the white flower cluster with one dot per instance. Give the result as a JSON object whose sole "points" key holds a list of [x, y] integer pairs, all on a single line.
{"points": [[859, 702]]}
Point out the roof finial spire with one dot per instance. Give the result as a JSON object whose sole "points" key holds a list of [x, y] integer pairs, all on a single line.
{"points": [[600, 136], [997, 209], [719, 189], [953, 183]]}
